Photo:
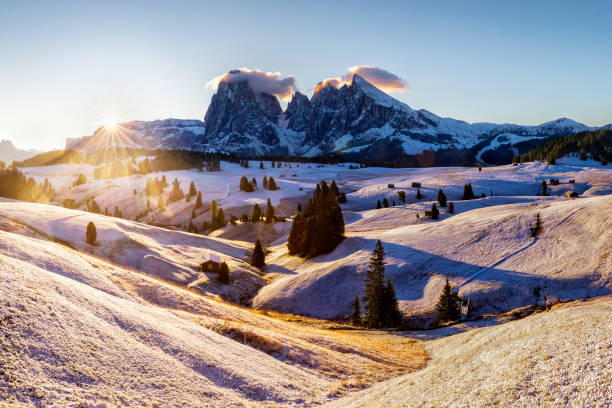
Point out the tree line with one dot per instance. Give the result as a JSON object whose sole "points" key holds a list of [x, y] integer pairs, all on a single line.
{"points": [[596, 144]]}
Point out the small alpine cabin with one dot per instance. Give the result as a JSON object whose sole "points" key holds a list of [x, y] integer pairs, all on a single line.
{"points": [[210, 263]]}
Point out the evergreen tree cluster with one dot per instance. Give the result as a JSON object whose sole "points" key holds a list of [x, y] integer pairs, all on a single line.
{"points": [[155, 187], [92, 206], [381, 307], [245, 185], [212, 162], [468, 193], [14, 184], [596, 144], [81, 179], [320, 228], [447, 308], [217, 218], [176, 193], [340, 196]]}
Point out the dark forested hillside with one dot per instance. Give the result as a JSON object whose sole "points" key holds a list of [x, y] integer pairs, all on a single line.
{"points": [[596, 144]]}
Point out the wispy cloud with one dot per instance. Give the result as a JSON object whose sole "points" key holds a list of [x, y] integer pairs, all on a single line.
{"points": [[380, 78], [259, 81]]}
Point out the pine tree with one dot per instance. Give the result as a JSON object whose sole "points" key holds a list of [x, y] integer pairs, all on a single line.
{"points": [[468, 193], [91, 234], [537, 226], [334, 188], [294, 242], [265, 182], [160, 204], [378, 206], [117, 213], [356, 315], [441, 198], [176, 193], [393, 316], [299, 207], [342, 198], [261, 166], [419, 195], [245, 185], [258, 258], [269, 212], [256, 213], [401, 196], [198, 203], [447, 309], [224, 275], [272, 184], [451, 208], [435, 213], [254, 183], [385, 202], [192, 189], [544, 188], [373, 298], [213, 214], [220, 219]]}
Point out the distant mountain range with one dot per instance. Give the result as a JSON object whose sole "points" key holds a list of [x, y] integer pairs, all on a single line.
{"points": [[356, 121], [9, 153]]}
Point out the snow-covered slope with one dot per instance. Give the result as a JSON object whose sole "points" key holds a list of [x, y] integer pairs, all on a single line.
{"points": [[170, 255], [66, 343], [77, 330], [571, 258], [559, 359], [158, 134]]}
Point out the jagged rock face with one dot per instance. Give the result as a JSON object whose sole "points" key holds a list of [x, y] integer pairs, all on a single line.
{"points": [[357, 109], [298, 113], [237, 118]]}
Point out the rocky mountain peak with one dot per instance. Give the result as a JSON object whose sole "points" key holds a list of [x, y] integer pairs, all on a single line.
{"points": [[298, 112]]}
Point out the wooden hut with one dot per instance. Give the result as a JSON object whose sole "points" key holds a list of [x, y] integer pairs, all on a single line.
{"points": [[210, 263]]}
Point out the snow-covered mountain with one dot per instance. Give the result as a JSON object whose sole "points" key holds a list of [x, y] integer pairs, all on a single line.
{"points": [[357, 121], [361, 122], [8, 152], [157, 134]]}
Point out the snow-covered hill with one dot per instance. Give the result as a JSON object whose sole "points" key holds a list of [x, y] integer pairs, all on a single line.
{"points": [[169, 255], [559, 359], [79, 331], [571, 258]]}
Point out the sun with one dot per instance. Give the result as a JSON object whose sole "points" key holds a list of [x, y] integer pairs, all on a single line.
{"points": [[110, 123]]}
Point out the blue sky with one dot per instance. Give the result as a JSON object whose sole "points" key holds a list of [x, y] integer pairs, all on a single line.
{"points": [[67, 66]]}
